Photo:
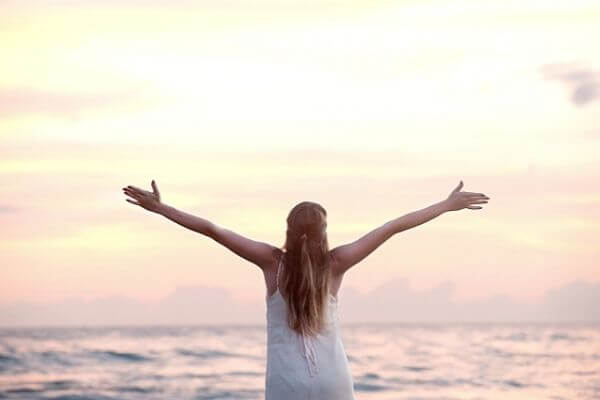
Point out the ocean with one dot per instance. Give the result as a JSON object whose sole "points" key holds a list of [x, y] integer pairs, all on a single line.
{"points": [[388, 361]]}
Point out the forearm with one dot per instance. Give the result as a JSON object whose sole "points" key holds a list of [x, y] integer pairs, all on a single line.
{"points": [[186, 220], [416, 218]]}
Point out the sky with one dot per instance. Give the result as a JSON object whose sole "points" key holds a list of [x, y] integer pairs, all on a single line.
{"points": [[240, 110]]}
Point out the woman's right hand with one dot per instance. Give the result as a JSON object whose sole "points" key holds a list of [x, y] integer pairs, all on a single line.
{"points": [[458, 200]]}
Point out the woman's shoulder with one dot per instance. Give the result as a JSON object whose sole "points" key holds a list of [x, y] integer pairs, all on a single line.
{"points": [[277, 254]]}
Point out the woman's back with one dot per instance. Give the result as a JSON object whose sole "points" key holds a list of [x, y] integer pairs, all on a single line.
{"points": [[305, 367]]}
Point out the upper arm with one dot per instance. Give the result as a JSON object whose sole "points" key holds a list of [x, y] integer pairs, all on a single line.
{"points": [[348, 255], [259, 253]]}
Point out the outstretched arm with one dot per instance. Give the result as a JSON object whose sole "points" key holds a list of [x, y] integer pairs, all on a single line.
{"points": [[259, 253], [350, 254]]}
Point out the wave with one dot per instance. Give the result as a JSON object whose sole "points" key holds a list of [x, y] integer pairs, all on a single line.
{"points": [[204, 354], [369, 387], [225, 363], [121, 356]]}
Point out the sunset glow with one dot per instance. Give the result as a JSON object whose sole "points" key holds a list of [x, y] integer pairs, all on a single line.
{"points": [[373, 109]]}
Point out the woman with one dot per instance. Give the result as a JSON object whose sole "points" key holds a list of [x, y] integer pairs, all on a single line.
{"points": [[305, 354]]}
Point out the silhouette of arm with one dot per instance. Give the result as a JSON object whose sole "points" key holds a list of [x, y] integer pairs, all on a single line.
{"points": [[259, 253], [348, 255]]}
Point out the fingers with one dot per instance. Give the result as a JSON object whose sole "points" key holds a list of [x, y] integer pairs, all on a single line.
{"points": [[135, 195], [131, 191], [460, 185], [475, 197], [478, 201], [128, 192], [137, 192], [474, 207], [155, 188], [137, 189], [475, 194], [140, 198]]}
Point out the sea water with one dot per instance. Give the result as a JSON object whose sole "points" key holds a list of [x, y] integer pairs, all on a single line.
{"points": [[388, 361]]}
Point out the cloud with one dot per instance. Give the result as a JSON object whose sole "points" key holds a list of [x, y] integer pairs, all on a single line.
{"points": [[19, 101], [583, 82], [392, 302], [578, 300], [220, 4], [186, 305], [396, 301], [4, 209]]}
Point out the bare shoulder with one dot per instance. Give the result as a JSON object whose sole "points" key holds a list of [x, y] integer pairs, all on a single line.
{"points": [[335, 264], [270, 268], [337, 274]]}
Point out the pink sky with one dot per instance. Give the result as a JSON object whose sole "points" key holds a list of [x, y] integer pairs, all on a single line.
{"points": [[372, 109]]}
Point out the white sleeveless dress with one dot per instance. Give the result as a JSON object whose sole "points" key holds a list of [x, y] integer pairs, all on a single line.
{"points": [[304, 367]]}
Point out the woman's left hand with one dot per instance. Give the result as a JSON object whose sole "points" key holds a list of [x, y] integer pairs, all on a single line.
{"points": [[148, 200]]}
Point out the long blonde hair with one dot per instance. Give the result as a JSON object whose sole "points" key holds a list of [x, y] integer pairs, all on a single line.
{"points": [[306, 277]]}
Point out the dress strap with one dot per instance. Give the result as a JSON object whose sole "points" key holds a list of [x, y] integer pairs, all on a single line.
{"points": [[278, 269]]}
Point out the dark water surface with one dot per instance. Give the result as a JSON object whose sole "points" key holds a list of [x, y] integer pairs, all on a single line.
{"points": [[403, 361]]}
